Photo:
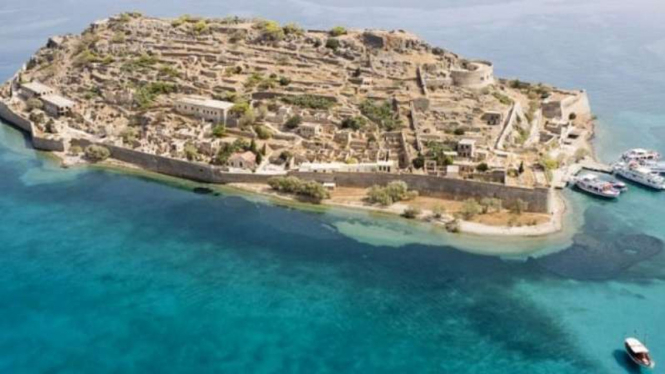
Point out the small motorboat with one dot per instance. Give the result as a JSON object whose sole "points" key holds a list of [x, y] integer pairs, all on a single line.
{"points": [[595, 186], [640, 155], [619, 186], [639, 353]]}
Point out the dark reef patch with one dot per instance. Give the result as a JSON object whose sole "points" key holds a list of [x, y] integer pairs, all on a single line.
{"points": [[592, 258]]}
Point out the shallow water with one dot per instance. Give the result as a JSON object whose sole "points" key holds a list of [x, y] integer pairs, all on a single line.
{"points": [[105, 272]]}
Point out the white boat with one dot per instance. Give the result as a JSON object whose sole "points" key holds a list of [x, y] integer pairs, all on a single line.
{"points": [[596, 186], [640, 155], [619, 186], [639, 353], [655, 166], [640, 174]]}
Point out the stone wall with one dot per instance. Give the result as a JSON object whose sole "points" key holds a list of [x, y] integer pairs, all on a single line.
{"points": [[48, 144], [39, 142], [578, 104], [176, 168], [538, 199], [475, 74]]}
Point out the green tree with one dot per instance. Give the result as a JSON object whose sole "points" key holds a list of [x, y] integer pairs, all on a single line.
{"points": [[338, 31], [411, 212], [482, 167], [470, 209], [97, 153], [219, 131], [333, 43], [354, 123], [293, 122]]}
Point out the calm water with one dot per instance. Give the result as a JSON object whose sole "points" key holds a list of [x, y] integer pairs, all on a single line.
{"points": [[106, 273]]}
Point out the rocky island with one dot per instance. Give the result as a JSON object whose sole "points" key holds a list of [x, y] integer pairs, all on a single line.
{"points": [[365, 118]]}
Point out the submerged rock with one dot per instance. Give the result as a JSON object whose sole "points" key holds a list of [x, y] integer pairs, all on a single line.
{"points": [[203, 191], [592, 258]]}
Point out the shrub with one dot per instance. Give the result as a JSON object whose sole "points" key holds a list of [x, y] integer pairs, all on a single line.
{"points": [[411, 213], [284, 81], [293, 122], [263, 132], [97, 153], [503, 99], [482, 167], [169, 71], [438, 211], [191, 152], [470, 209], [34, 104], [293, 185], [292, 29], [145, 95], [219, 131], [519, 207], [393, 192], [459, 131], [548, 163], [489, 204], [75, 150], [241, 108], [354, 123], [419, 161], [333, 43], [381, 114], [271, 30], [129, 135], [338, 31], [201, 27], [378, 195], [572, 116], [310, 101]]}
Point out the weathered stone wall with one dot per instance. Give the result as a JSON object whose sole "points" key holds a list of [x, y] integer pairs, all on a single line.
{"points": [[578, 104], [47, 144], [538, 199], [38, 142], [482, 76], [8, 115], [176, 168]]}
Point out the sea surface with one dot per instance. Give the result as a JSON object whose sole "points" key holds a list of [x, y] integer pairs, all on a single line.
{"points": [[108, 272]]}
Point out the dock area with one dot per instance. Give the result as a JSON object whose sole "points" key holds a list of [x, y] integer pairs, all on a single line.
{"points": [[561, 178]]}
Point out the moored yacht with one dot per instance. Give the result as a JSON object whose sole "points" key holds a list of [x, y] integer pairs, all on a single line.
{"points": [[655, 166], [595, 186], [640, 155], [639, 353], [640, 174]]}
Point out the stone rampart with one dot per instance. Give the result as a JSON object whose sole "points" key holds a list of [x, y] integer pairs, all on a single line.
{"points": [[176, 168], [474, 74], [38, 142], [538, 199]]}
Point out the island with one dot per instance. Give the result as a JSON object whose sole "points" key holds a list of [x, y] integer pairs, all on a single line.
{"points": [[371, 119]]}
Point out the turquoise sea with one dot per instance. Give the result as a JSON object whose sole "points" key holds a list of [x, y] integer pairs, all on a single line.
{"points": [[104, 272]]}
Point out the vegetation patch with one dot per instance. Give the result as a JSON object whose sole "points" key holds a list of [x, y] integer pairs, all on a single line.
{"points": [[392, 193], [296, 186], [310, 102], [381, 114]]}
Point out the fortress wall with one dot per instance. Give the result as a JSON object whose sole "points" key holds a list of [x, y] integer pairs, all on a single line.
{"points": [[481, 77], [578, 104], [47, 144], [38, 142], [8, 115], [176, 168], [538, 199]]}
